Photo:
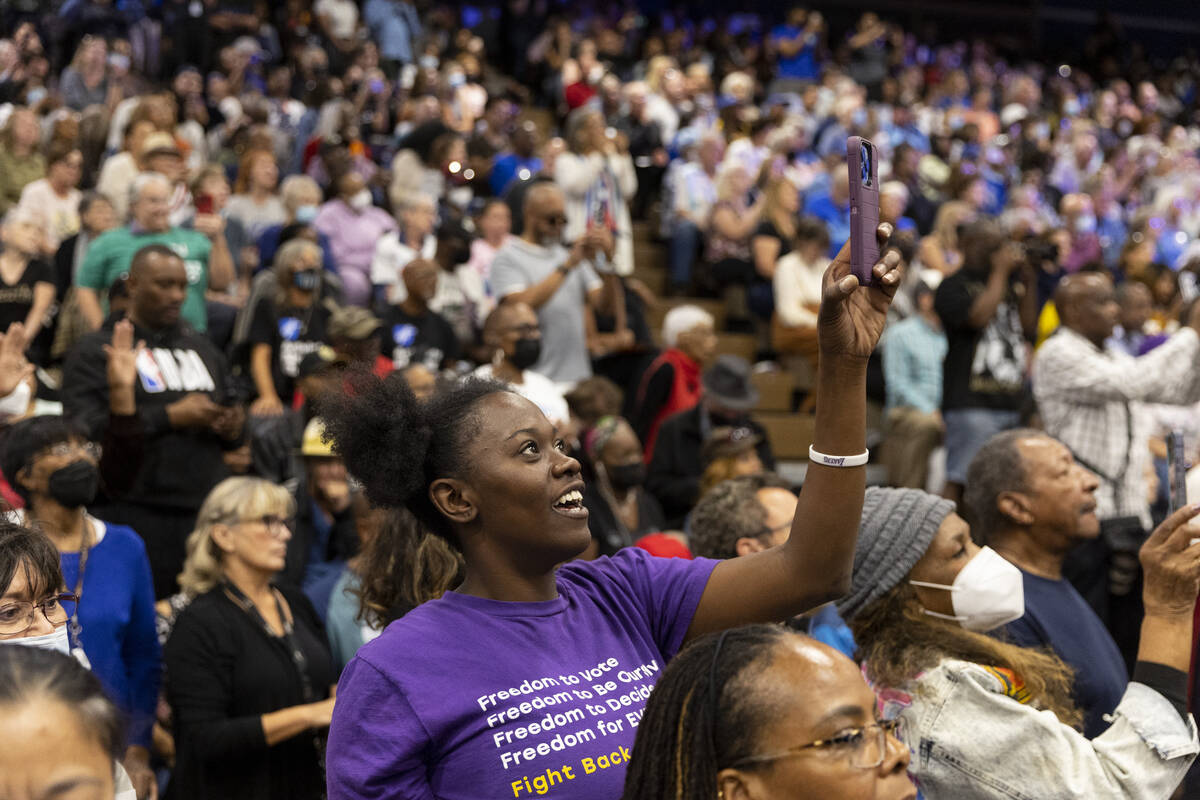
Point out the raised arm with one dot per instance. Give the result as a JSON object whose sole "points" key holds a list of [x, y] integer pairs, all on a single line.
{"points": [[814, 565]]}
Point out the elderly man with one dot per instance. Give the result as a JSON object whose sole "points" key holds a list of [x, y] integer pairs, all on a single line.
{"points": [[204, 252], [747, 515], [1091, 400], [301, 198], [1033, 503], [727, 396], [742, 516], [537, 269]]}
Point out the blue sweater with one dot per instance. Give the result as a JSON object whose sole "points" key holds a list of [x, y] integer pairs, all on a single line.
{"points": [[116, 613]]}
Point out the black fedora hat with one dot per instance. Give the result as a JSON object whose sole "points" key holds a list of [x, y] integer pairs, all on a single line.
{"points": [[727, 382]]}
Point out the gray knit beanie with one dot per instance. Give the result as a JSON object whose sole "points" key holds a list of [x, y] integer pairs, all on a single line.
{"points": [[896, 529]]}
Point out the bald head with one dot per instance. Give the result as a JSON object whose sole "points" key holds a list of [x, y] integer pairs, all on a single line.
{"points": [[1087, 304], [510, 317], [545, 214]]}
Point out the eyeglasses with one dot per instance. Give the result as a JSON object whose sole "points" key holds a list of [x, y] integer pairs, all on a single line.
{"points": [[275, 525], [864, 748], [557, 220], [18, 617]]}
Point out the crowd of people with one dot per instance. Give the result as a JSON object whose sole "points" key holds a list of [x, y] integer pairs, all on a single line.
{"points": [[369, 425]]}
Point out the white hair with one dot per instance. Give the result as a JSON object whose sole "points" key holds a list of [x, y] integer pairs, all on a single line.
{"points": [[145, 179], [896, 188], [293, 185], [680, 320]]}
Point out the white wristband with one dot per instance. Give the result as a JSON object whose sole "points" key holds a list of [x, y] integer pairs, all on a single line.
{"points": [[838, 461]]}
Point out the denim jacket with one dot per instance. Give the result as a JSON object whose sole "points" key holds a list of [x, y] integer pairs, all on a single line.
{"points": [[971, 739]]}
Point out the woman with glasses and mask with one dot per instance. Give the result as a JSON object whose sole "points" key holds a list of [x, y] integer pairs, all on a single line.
{"points": [[34, 612], [763, 713], [248, 669], [987, 719], [55, 469]]}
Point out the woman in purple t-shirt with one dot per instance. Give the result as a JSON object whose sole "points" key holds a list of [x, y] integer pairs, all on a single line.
{"points": [[529, 679]]}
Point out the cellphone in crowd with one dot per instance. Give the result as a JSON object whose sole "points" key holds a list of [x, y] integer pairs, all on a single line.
{"points": [[375, 86], [204, 204], [862, 163], [1176, 471]]}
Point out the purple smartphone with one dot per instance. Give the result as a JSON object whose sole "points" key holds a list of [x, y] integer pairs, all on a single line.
{"points": [[862, 165]]}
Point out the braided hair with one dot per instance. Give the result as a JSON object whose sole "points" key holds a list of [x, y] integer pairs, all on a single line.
{"points": [[704, 713]]}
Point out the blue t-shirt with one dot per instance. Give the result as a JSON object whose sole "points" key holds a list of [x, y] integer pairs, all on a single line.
{"points": [[835, 217], [801, 66], [464, 697], [508, 166], [116, 614], [1057, 617]]}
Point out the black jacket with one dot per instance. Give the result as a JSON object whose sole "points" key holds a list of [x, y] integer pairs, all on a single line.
{"points": [[341, 545], [675, 470], [179, 466], [223, 674]]}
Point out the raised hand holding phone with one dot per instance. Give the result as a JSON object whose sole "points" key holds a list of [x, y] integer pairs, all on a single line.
{"points": [[862, 164]]}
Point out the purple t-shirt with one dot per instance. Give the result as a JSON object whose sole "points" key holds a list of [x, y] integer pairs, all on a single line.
{"points": [[471, 698]]}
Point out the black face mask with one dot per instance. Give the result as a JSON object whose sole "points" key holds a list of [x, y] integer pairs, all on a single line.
{"points": [[305, 280], [627, 476], [75, 484], [526, 352]]}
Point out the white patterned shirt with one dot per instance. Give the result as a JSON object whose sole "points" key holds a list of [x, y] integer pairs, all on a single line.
{"points": [[1093, 401]]}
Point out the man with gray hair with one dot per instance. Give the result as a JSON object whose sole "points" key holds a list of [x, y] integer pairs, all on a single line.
{"points": [[741, 516], [301, 197], [206, 257], [672, 382], [1032, 503]]}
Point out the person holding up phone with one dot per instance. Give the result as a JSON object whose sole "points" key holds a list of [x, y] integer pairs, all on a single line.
{"points": [[1089, 397]]}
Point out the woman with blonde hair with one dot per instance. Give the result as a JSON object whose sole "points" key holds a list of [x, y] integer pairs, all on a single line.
{"points": [[20, 162], [776, 233], [250, 674], [256, 202], [732, 221], [939, 250]]}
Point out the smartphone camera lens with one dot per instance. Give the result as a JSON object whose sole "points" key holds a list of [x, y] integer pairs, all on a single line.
{"points": [[864, 160]]}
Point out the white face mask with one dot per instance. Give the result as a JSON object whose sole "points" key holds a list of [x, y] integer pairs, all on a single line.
{"points": [[361, 200], [57, 640], [987, 593]]}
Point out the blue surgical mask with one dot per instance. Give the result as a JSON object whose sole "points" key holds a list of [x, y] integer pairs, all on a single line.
{"points": [[306, 280], [1085, 223], [306, 214]]}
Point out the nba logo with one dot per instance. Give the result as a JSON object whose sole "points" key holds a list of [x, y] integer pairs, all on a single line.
{"points": [[404, 335], [147, 367], [289, 329]]}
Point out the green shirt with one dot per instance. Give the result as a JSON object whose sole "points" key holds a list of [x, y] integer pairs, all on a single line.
{"points": [[108, 259], [15, 174]]}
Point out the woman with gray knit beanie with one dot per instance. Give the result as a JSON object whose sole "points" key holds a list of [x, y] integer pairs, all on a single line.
{"points": [[985, 718]]}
